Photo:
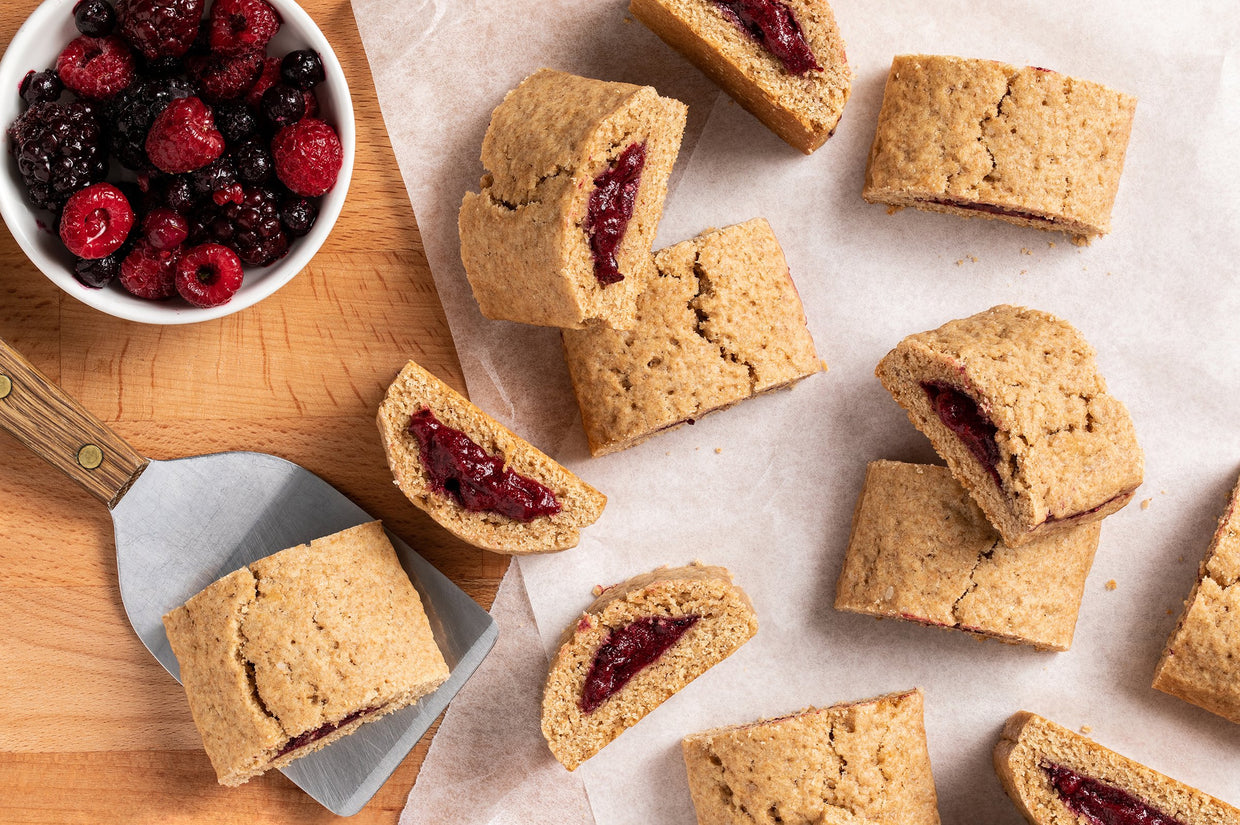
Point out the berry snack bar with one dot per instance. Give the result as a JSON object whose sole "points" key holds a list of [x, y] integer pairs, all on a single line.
{"points": [[720, 322], [783, 60], [640, 642], [1201, 661], [978, 138], [474, 476], [1011, 398], [300, 648], [1058, 777], [577, 172], [858, 762], [921, 550]]}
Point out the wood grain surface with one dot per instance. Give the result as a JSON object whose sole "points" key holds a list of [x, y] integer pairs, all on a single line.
{"points": [[92, 729]]}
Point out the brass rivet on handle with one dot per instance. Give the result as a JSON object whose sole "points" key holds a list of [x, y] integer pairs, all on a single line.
{"points": [[90, 456], [6, 386]]}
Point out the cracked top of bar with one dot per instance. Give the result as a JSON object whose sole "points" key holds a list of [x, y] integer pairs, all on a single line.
{"points": [[857, 763], [298, 640], [525, 239], [1066, 448], [720, 322], [921, 550], [1201, 660], [986, 139]]}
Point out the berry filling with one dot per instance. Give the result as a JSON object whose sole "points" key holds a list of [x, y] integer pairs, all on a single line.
{"points": [[960, 414], [459, 468], [611, 207], [301, 740], [989, 209], [626, 652], [773, 25], [1100, 803]]}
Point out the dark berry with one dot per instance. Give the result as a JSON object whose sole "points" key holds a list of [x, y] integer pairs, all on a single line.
{"points": [[131, 113], [59, 150], [208, 275], [235, 121], [252, 227], [166, 66], [298, 214], [165, 229], [94, 18], [159, 28], [96, 67], [225, 77], [40, 87], [183, 137], [217, 175], [302, 69], [269, 77], [151, 273], [95, 221], [242, 25], [282, 105], [179, 195], [253, 161], [308, 157], [97, 273]]}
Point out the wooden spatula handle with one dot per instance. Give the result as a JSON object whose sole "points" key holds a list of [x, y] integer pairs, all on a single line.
{"points": [[55, 427]]}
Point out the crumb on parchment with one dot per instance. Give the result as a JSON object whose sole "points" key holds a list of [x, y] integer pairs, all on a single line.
{"points": [[1145, 505], [1111, 585]]}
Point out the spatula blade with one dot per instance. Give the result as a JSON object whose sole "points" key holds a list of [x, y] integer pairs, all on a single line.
{"points": [[185, 523]]}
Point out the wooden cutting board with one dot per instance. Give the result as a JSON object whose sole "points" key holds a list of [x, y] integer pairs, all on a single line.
{"points": [[92, 729]]}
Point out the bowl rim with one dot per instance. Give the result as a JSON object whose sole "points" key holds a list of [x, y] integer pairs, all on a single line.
{"points": [[28, 225]]}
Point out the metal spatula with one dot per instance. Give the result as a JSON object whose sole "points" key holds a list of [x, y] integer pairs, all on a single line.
{"points": [[182, 524]]}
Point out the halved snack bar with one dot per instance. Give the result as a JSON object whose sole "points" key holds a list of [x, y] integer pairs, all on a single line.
{"points": [[720, 322], [783, 60], [474, 476], [923, 551], [979, 138], [858, 763], [1012, 400], [639, 643], [577, 172], [1058, 777], [280, 658], [1201, 661]]}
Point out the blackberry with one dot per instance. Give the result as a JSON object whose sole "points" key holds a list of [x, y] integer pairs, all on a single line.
{"points": [[132, 112], [298, 214], [179, 195], [94, 18], [235, 121], [254, 161], [302, 69], [159, 28], [59, 150], [217, 176], [251, 228], [40, 87], [97, 273]]}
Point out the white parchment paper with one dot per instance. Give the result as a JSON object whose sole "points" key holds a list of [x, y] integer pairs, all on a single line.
{"points": [[768, 488]]}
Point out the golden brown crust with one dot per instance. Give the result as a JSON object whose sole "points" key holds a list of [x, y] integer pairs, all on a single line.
{"points": [[1201, 660], [1068, 454], [859, 763], [523, 239], [1029, 742], [415, 388], [803, 110], [979, 138], [726, 621], [923, 551], [307, 637], [720, 322]]}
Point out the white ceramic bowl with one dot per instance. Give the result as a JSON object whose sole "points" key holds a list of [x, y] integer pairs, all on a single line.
{"points": [[36, 45]]}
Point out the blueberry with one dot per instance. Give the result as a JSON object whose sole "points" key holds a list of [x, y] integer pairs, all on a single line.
{"points": [[40, 87], [298, 214], [281, 105], [94, 18], [254, 162], [302, 69]]}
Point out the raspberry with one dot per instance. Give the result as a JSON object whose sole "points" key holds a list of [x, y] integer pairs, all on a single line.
{"points": [[59, 150], [95, 221], [308, 157], [269, 77], [226, 77], [159, 28], [165, 229], [40, 87], [96, 68], [148, 272], [96, 18], [208, 275], [242, 25], [183, 137], [131, 113]]}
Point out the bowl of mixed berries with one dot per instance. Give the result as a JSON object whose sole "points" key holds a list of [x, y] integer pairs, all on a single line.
{"points": [[173, 161]]}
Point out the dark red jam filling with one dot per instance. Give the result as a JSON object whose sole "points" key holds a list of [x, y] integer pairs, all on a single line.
{"points": [[773, 25], [462, 470], [318, 733], [627, 650], [960, 414], [611, 207], [989, 209], [1100, 803]]}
